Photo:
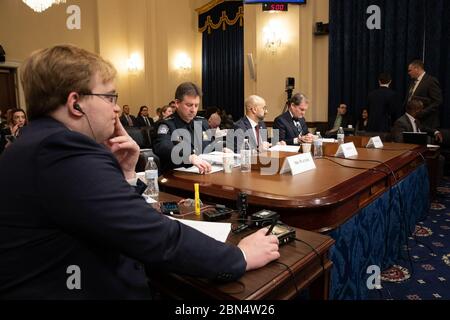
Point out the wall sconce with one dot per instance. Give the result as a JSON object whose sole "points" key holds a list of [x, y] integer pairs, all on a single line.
{"points": [[183, 63], [134, 63], [42, 5], [273, 36]]}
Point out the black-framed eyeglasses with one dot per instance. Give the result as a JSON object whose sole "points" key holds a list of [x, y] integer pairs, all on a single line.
{"points": [[110, 97]]}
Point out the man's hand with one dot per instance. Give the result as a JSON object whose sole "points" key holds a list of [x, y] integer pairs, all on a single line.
{"points": [[306, 138], [125, 149], [202, 165], [259, 249], [281, 143], [265, 146]]}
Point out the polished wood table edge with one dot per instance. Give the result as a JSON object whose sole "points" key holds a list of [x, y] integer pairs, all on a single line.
{"points": [[331, 197]]}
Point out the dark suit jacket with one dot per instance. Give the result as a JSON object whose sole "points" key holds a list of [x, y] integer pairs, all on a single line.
{"points": [[383, 107], [429, 92], [287, 129], [140, 122], [65, 202], [403, 124], [124, 120], [246, 128]]}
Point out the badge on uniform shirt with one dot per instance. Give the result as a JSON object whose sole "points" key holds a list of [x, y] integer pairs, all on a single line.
{"points": [[163, 129]]}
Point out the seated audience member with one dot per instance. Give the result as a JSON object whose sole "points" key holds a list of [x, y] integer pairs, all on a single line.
{"points": [[166, 112], [363, 121], [191, 138], [158, 115], [78, 216], [292, 125], [409, 123], [252, 124], [343, 119], [143, 120], [9, 133], [126, 118], [214, 121]]}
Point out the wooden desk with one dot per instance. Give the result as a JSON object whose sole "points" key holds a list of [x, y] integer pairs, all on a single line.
{"points": [[318, 200], [272, 282]]}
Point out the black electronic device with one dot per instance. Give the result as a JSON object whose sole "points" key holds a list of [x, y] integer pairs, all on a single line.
{"points": [[242, 204], [170, 208], [216, 214], [415, 138], [284, 233], [264, 218]]}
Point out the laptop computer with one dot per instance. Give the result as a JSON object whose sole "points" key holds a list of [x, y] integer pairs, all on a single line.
{"points": [[415, 138]]}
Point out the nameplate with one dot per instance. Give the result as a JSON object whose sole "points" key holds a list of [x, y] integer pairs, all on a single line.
{"points": [[347, 150], [375, 143], [298, 164]]}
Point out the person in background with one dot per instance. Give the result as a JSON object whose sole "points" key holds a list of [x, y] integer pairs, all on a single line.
{"points": [[10, 133], [363, 121], [292, 125], [143, 120], [126, 118], [158, 115], [343, 119], [68, 209], [166, 112]]}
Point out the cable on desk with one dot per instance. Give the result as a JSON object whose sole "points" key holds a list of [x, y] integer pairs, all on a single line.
{"points": [[315, 251], [292, 275]]}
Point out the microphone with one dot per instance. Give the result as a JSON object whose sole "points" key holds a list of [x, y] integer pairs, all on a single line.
{"points": [[77, 107]]}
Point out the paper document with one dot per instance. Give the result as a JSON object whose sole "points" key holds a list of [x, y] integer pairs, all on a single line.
{"points": [[285, 149], [216, 230], [194, 169], [216, 157]]}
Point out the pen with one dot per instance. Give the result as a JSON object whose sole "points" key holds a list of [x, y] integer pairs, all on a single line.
{"points": [[274, 222], [197, 199]]}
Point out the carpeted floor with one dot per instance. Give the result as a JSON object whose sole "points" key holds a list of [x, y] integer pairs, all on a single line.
{"points": [[424, 273]]}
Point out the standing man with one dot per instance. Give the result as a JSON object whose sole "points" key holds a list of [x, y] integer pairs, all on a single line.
{"points": [[77, 228], [143, 120], [181, 138], [427, 89], [383, 106], [292, 125], [126, 118], [252, 124]]}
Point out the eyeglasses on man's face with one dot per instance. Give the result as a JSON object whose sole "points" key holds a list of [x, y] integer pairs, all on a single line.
{"points": [[108, 97]]}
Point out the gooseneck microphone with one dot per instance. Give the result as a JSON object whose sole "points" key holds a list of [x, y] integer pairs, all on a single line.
{"points": [[77, 107]]}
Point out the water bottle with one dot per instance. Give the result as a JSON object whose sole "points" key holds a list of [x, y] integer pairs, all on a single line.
{"points": [[318, 153], [151, 177], [340, 136], [246, 157]]}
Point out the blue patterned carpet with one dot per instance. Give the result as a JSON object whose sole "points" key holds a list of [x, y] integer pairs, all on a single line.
{"points": [[424, 272]]}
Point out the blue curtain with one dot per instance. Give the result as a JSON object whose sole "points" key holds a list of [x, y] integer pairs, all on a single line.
{"points": [[411, 29], [223, 57]]}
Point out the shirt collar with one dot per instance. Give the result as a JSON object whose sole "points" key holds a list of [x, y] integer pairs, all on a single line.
{"points": [[253, 123], [410, 117], [421, 77]]}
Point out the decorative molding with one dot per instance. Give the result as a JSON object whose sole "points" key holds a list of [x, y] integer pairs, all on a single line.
{"points": [[224, 21]]}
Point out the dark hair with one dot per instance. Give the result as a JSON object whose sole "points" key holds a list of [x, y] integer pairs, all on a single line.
{"points": [[414, 105], [187, 89], [297, 99], [384, 78], [18, 110], [140, 110], [418, 63]]}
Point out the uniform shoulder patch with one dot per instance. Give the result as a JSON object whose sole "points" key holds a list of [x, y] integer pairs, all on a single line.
{"points": [[163, 129]]}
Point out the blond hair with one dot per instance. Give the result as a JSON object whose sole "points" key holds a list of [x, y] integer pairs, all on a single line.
{"points": [[50, 75]]}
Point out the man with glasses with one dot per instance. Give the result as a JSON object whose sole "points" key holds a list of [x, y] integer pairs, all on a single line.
{"points": [[292, 125], [252, 125], [71, 226]]}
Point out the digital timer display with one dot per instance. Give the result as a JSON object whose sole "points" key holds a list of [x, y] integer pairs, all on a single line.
{"points": [[275, 7]]}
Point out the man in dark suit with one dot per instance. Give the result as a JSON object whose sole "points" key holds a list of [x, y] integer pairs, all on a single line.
{"points": [[126, 118], [143, 120], [410, 123], [71, 225], [427, 89], [291, 125], [383, 106], [252, 125]]}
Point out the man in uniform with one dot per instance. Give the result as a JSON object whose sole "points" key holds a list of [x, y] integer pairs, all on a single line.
{"points": [[181, 138]]}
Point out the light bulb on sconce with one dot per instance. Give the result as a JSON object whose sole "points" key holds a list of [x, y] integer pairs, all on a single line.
{"points": [[134, 63], [273, 36], [183, 63]]}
